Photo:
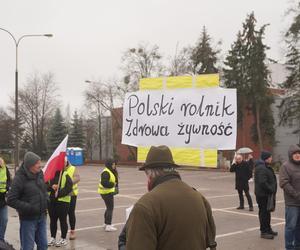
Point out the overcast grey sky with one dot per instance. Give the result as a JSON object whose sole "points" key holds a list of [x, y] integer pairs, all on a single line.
{"points": [[90, 35]]}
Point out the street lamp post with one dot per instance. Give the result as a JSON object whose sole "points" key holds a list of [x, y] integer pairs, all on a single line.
{"points": [[17, 42]]}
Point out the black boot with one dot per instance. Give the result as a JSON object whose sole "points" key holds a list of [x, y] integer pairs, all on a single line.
{"points": [[273, 233], [267, 236]]}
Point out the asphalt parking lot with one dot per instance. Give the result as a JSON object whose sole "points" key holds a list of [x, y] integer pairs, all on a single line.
{"points": [[236, 229]]}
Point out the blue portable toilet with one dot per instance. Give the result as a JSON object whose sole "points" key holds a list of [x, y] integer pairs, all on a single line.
{"points": [[75, 156]]}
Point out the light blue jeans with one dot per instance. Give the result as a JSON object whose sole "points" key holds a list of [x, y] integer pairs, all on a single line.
{"points": [[33, 231], [3, 221], [292, 228]]}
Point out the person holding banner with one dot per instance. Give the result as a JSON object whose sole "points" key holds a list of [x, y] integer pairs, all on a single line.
{"points": [[28, 195], [172, 215], [107, 188], [60, 188], [243, 172], [73, 173]]}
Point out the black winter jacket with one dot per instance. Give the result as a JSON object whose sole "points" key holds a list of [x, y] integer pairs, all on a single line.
{"points": [[243, 173], [28, 194], [264, 179]]}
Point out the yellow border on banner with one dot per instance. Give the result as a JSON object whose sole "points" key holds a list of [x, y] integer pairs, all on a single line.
{"points": [[210, 158], [183, 156], [207, 81], [151, 83], [179, 82]]}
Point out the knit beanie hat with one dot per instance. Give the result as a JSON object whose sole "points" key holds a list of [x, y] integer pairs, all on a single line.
{"points": [[30, 159], [265, 155], [109, 162]]}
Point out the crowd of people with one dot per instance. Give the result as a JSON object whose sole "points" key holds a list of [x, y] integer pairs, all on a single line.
{"points": [[172, 215], [266, 188], [33, 199]]}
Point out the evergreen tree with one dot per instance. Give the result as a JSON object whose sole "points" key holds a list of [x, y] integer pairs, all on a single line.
{"points": [[290, 105], [203, 56], [57, 131], [246, 70], [76, 137], [234, 76]]}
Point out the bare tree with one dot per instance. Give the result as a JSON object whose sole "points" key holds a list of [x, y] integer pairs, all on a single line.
{"points": [[140, 62], [37, 104], [98, 99], [6, 130], [180, 63], [90, 139], [102, 98]]}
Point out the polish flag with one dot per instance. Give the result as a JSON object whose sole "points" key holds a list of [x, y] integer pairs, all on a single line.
{"points": [[57, 161]]}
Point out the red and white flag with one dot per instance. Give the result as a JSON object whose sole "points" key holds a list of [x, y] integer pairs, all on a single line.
{"points": [[57, 160]]}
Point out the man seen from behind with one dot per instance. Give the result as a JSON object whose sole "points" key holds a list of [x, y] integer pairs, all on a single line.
{"points": [[172, 215]]}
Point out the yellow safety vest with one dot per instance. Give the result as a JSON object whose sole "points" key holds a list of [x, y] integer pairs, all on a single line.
{"points": [[3, 179], [71, 170], [66, 198], [112, 178]]}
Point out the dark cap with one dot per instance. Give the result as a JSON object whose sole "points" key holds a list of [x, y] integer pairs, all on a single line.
{"points": [[159, 157], [30, 159], [109, 162], [265, 155]]}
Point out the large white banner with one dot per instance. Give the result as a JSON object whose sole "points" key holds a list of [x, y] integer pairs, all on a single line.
{"points": [[197, 118]]}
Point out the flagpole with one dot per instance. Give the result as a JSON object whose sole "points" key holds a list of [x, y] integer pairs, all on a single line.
{"points": [[59, 180]]}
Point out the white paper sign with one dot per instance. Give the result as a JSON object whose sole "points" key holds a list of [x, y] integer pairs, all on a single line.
{"points": [[196, 118]]}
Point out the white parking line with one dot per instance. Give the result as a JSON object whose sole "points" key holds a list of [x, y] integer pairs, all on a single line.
{"points": [[102, 226], [129, 196], [246, 230], [220, 177], [85, 190], [220, 196], [248, 214], [254, 205], [218, 236], [135, 188], [89, 198], [95, 184], [100, 208]]}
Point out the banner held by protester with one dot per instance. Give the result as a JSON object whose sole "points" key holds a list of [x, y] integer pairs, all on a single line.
{"points": [[182, 155], [195, 118]]}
